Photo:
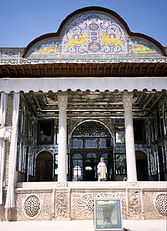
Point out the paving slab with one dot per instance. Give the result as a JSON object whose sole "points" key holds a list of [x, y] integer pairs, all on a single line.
{"points": [[128, 225]]}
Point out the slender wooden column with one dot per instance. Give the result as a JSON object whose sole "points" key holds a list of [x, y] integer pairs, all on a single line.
{"points": [[3, 109], [10, 197], [62, 138], [129, 137]]}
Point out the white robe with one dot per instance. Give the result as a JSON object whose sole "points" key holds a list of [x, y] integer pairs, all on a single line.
{"points": [[102, 171]]}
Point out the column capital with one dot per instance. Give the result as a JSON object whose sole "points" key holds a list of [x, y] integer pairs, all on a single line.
{"points": [[127, 99], [62, 100]]}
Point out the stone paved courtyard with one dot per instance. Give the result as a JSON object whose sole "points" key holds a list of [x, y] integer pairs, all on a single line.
{"points": [[128, 225]]}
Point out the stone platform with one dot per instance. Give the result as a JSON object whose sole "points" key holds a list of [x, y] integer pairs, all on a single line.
{"points": [[86, 225], [74, 200]]}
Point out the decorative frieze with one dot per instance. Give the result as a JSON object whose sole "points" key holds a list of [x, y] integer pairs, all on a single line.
{"points": [[62, 205], [17, 61], [68, 201], [134, 205], [82, 203]]}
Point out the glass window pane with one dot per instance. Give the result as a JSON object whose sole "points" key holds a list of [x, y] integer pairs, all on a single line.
{"points": [[77, 163], [77, 156], [120, 162], [105, 155], [91, 143], [56, 164], [77, 144], [91, 155], [77, 170], [120, 137], [105, 143]]}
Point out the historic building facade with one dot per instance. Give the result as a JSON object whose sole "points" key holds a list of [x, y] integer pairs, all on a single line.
{"points": [[93, 89]]}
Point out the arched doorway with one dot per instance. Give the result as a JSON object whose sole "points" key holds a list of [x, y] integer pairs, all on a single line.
{"points": [[44, 166], [89, 142], [142, 166]]}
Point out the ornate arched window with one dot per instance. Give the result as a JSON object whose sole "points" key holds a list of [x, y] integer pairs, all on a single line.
{"points": [[90, 141]]}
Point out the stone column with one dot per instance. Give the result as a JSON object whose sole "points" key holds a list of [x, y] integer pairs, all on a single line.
{"points": [[62, 137], [129, 137]]}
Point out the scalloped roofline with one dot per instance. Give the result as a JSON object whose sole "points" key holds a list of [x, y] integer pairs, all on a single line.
{"points": [[57, 34]]}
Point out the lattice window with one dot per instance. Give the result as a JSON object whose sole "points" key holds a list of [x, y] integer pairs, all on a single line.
{"points": [[161, 204], [91, 129], [32, 206]]}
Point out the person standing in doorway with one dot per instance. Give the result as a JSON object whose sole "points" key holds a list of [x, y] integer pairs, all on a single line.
{"points": [[102, 170]]}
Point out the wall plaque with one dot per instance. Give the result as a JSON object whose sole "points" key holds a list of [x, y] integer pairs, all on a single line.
{"points": [[107, 214]]}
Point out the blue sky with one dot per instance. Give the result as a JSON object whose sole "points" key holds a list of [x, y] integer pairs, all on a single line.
{"points": [[21, 21]]}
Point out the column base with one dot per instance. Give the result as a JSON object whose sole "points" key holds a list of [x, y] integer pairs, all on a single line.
{"points": [[2, 213], [7, 214], [62, 184], [132, 183]]}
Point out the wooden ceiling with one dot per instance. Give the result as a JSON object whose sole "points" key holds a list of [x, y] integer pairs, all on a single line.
{"points": [[83, 70], [92, 104]]}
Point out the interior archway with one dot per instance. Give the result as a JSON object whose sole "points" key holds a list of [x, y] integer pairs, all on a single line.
{"points": [[44, 166]]}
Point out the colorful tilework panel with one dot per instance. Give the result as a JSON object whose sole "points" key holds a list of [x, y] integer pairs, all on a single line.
{"points": [[92, 34]]}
